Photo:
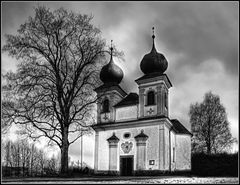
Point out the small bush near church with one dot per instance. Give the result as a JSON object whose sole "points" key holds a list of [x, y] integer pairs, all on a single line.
{"points": [[78, 172]]}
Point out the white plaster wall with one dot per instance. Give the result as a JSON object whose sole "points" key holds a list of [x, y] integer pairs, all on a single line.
{"points": [[183, 152], [161, 146], [152, 146], [103, 150], [126, 113]]}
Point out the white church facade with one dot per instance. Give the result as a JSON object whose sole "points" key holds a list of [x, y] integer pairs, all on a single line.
{"points": [[134, 132]]}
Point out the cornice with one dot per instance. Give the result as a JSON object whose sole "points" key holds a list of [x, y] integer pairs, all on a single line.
{"points": [[149, 79], [132, 123]]}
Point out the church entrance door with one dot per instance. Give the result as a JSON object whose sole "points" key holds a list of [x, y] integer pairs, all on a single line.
{"points": [[126, 165]]}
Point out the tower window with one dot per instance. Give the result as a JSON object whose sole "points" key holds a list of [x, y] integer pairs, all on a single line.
{"points": [[105, 106], [151, 98]]}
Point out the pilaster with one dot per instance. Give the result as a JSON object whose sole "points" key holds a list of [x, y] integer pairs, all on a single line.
{"points": [[159, 99], [161, 148], [141, 151], [141, 101], [96, 151], [113, 146]]}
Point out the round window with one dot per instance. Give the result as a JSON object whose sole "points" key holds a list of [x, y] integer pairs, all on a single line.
{"points": [[127, 135]]}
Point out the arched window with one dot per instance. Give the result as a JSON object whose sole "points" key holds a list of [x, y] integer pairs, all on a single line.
{"points": [[151, 98], [105, 106]]}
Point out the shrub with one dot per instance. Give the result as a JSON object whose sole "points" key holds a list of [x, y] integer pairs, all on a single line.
{"points": [[215, 164]]}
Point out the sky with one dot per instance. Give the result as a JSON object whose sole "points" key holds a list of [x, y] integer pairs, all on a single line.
{"points": [[200, 41]]}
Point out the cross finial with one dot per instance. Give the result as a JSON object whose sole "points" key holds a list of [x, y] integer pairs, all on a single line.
{"points": [[153, 36], [111, 45], [111, 52]]}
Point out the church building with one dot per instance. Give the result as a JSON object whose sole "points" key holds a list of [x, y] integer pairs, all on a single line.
{"points": [[134, 132]]}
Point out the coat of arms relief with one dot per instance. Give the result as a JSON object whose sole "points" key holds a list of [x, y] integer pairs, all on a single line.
{"points": [[127, 146]]}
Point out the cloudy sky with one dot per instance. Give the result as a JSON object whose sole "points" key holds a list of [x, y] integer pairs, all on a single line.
{"points": [[199, 39]]}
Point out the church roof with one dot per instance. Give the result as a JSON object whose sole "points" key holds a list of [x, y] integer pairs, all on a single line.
{"points": [[130, 99], [179, 128]]}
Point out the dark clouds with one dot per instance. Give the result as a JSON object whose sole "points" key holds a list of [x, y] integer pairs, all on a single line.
{"points": [[13, 14], [199, 30], [202, 31]]}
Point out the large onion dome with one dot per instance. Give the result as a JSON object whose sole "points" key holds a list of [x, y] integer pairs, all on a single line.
{"points": [[153, 61], [111, 73]]}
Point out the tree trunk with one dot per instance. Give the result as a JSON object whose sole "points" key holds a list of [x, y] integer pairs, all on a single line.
{"points": [[64, 152]]}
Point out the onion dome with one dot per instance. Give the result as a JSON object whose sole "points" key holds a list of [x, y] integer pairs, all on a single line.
{"points": [[111, 73], [153, 61]]}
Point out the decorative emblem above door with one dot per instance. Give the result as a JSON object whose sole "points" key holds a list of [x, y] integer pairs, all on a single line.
{"points": [[127, 146]]}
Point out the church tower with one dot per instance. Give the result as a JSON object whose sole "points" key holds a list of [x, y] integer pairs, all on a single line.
{"points": [[154, 85], [110, 93], [134, 133]]}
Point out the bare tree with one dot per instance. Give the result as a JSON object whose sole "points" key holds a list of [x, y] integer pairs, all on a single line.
{"points": [[210, 126], [60, 55], [42, 161], [25, 154], [7, 96], [7, 161], [7, 154], [51, 165], [21, 157], [32, 159]]}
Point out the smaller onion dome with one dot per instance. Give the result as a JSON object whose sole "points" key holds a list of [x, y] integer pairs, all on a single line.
{"points": [[153, 61], [111, 73]]}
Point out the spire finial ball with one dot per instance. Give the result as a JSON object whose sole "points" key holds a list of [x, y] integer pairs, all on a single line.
{"points": [[153, 36]]}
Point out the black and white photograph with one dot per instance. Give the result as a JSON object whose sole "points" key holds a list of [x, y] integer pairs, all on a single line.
{"points": [[119, 92]]}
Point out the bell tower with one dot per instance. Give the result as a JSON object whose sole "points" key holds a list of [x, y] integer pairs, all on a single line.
{"points": [[154, 85], [110, 93]]}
